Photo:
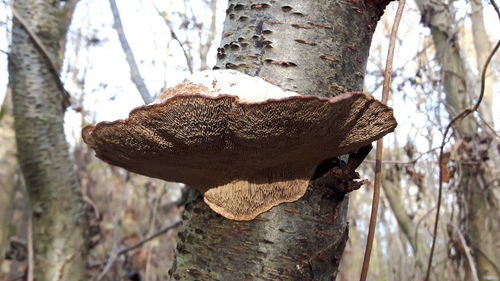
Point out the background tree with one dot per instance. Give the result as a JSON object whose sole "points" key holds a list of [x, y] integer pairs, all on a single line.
{"points": [[58, 212], [475, 147], [7, 173]]}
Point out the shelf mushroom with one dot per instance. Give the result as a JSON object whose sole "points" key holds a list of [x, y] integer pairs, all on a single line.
{"points": [[244, 143]]}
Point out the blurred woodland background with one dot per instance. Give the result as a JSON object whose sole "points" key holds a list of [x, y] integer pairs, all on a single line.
{"points": [[115, 55]]}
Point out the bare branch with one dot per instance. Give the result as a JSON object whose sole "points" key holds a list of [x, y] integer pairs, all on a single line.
{"points": [[114, 256], [496, 7], [135, 74], [189, 59], [466, 251], [378, 157]]}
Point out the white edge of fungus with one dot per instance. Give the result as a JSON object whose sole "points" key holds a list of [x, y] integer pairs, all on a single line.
{"points": [[247, 88]]}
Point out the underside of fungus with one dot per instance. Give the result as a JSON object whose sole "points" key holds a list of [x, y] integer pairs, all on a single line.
{"points": [[245, 152]]}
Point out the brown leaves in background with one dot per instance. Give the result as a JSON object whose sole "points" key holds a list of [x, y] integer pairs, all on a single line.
{"points": [[446, 174]]}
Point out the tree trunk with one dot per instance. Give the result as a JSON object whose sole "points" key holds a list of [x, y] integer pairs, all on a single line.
{"points": [[313, 48], [482, 46], [7, 171], [59, 214], [391, 183], [480, 214], [406, 224]]}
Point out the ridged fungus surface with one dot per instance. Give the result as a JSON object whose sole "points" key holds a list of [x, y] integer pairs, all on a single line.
{"points": [[244, 157]]}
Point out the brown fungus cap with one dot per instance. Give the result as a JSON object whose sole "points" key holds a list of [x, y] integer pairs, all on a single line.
{"points": [[244, 157]]}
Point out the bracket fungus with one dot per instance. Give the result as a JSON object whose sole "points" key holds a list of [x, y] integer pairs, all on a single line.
{"points": [[244, 143]]}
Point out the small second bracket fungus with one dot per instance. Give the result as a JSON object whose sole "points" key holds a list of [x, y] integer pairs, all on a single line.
{"points": [[244, 143]]}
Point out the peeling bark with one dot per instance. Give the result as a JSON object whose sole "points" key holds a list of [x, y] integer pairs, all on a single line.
{"points": [[313, 48], [59, 214]]}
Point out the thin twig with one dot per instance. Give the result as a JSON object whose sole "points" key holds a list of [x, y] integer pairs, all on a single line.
{"points": [[495, 7], [470, 260], [457, 118], [135, 74], [114, 250], [156, 203], [411, 162], [378, 157], [405, 163], [149, 238], [418, 226], [492, 130], [189, 60], [52, 66], [113, 257]]}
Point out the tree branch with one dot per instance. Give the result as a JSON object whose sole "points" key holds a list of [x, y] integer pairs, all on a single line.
{"points": [[189, 60], [135, 74], [378, 157], [466, 251], [113, 257], [495, 6]]}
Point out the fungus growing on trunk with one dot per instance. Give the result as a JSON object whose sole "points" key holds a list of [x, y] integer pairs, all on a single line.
{"points": [[244, 143]]}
